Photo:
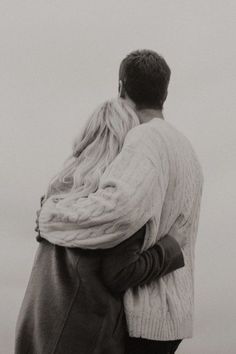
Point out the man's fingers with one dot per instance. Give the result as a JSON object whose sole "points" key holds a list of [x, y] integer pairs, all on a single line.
{"points": [[41, 200]]}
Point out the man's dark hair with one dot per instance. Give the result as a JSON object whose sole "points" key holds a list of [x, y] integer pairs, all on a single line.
{"points": [[145, 76]]}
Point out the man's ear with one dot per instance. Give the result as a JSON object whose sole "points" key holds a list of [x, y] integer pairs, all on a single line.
{"points": [[166, 94], [121, 89]]}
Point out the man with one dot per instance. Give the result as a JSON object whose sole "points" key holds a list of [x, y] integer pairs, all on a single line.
{"points": [[156, 179]]}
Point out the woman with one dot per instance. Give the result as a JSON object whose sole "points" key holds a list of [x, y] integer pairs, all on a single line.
{"points": [[73, 302]]}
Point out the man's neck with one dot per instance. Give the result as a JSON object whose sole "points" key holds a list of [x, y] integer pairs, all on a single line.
{"points": [[145, 115]]}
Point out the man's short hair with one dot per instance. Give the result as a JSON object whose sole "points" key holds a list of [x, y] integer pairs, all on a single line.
{"points": [[145, 76]]}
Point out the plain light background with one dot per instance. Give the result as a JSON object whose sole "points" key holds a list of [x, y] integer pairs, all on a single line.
{"points": [[58, 60]]}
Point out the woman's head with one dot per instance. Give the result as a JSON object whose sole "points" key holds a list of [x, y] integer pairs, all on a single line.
{"points": [[94, 149]]}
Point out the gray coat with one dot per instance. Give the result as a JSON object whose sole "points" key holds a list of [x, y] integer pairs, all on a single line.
{"points": [[73, 301]]}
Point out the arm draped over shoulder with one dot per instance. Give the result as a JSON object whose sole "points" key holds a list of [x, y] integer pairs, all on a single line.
{"points": [[130, 192]]}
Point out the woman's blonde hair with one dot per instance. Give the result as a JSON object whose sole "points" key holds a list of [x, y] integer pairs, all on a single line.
{"points": [[99, 142]]}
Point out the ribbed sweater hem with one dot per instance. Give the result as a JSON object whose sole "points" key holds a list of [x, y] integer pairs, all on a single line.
{"points": [[157, 328]]}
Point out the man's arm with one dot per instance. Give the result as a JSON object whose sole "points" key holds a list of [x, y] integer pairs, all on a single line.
{"points": [[131, 191]]}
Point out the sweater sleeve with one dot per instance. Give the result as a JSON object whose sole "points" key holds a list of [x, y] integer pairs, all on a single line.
{"points": [[131, 191]]}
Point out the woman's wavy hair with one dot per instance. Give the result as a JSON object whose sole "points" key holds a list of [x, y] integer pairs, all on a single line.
{"points": [[97, 145]]}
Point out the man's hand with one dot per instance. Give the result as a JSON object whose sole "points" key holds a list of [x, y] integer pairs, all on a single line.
{"points": [[179, 235], [38, 237], [37, 221]]}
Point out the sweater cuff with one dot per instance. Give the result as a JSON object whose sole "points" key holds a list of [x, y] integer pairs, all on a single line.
{"points": [[173, 256]]}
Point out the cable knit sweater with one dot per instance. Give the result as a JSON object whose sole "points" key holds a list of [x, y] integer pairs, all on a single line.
{"points": [[156, 179]]}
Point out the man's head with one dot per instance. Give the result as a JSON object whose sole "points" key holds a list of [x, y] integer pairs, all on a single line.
{"points": [[144, 77]]}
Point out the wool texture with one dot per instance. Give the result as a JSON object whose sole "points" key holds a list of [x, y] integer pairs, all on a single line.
{"points": [[156, 180]]}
